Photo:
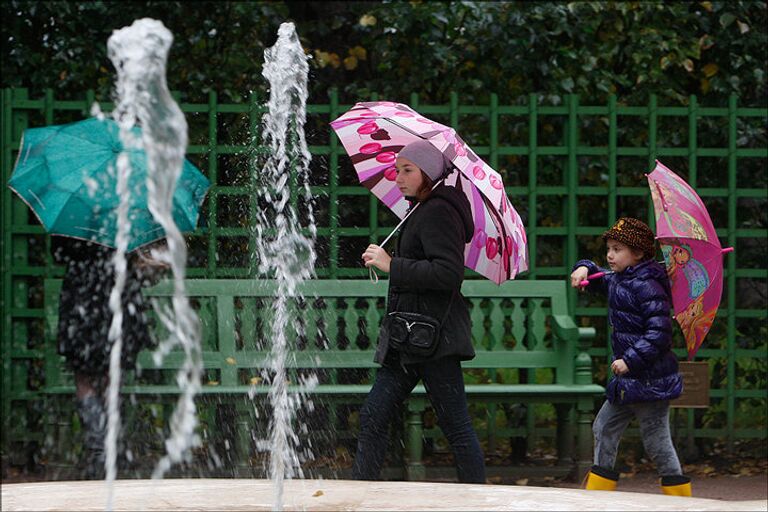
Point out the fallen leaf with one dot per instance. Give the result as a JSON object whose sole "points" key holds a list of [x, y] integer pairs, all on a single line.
{"points": [[522, 481], [231, 360], [318, 493]]}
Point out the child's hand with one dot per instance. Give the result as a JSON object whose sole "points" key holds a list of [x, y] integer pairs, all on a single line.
{"points": [[619, 367], [579, 275]]}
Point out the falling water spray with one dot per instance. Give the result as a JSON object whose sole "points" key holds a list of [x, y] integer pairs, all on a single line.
{"points": [[283, 252], [139, 54]]}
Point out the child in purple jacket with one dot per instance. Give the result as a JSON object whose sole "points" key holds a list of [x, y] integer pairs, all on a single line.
{"points": [[645, 369]]}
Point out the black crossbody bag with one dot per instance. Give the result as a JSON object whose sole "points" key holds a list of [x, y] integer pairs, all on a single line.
{"points": [[415, 334]]}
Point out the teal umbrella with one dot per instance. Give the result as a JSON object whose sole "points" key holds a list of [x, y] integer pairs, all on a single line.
{"points": [[67, 174]]}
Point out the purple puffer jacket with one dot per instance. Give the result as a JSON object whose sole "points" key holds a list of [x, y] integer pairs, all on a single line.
{"points": [[639, 313]]}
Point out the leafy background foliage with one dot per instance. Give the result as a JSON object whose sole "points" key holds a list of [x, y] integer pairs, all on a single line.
{"points": [[631, 49]]}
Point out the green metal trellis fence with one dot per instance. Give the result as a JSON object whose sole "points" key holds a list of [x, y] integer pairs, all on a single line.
{"points": [[570, 170]]}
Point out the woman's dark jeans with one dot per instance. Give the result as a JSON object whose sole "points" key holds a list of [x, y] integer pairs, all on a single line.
{"points": [[444, 383]]}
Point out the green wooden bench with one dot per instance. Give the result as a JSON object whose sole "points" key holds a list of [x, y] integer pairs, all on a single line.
{"points": [[520, 330]]}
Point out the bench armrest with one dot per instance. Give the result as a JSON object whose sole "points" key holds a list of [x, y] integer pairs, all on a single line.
{"points": [[565, 328]]}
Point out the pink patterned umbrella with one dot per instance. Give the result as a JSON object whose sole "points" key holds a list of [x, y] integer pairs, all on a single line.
{"points": [[692, 252], [373, 133]]}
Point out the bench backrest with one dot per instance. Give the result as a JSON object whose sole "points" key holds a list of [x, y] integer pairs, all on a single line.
{"points": [[518, 325]]}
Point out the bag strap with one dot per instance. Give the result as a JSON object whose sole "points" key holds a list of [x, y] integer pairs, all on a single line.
{"points": [[448, 310]]}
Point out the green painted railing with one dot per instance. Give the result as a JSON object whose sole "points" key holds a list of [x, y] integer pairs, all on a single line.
{"points": [[569, 169]]}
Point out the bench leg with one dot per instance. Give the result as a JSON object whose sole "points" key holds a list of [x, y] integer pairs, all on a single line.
{"points": [[244, 412], [564, 434], [415, 431], [585, 438]]}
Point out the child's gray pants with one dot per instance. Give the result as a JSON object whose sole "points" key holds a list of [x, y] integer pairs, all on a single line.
{"points": [[653, 417]]}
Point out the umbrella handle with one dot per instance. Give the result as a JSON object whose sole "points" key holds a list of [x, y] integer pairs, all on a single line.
{"points": [[726, 250], [590, 277]]}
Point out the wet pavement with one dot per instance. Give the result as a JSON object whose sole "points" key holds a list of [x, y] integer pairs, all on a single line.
{"points": [[247, 494]]}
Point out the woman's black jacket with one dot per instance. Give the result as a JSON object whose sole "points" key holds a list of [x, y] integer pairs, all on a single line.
{"points": [[428, 269], [84, 313]]}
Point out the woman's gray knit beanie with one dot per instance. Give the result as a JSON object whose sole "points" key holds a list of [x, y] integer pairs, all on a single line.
{"points": [[426, 156]]}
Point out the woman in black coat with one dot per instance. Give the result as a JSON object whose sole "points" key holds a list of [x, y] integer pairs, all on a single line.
{"points": [[425, 277], [83, 330]]}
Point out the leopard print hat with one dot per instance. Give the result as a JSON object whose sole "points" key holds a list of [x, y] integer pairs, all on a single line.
{"points": [[633, 233]]}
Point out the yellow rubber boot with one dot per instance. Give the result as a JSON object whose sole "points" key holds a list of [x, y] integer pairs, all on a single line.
{"points": [[676, 485], [601, 479]]}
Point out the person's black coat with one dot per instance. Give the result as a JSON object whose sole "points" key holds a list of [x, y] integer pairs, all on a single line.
{"points": [[84, 313], [428, 269]]}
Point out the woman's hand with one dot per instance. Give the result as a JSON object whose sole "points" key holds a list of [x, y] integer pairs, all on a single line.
{"points": [[579, 275], [375, 256], [152, 261], [619, 367]]}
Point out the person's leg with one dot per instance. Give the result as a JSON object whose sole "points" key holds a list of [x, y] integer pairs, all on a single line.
{"points": [[657, 440], [608, 427], [92, 412], [392, 385], [444, 382]]}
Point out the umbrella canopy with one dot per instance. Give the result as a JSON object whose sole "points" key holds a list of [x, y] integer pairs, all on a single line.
{"points": [[692, 253], [373, 133], [67, 174]]}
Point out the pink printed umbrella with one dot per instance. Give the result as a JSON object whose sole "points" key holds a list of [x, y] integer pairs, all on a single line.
{"points": [[373, 133], [692, 253]]}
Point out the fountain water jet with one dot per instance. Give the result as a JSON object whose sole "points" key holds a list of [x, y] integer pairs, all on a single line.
{"points": [[139, 54], [283, 252]]}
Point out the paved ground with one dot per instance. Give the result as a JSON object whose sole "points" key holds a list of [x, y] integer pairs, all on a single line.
{"points": [[720, 487], [254, 494], [731, 478]]}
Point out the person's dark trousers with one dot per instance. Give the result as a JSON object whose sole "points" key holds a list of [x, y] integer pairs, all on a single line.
{"points": [[444, 383], [94, 422]]}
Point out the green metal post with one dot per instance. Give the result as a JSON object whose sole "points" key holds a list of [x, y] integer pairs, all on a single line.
{"points": [[213, 193], [731, 273], [493, 157], [454, 112], [572, 217], [19, 286], [415, 432], [692, 179], [652, 151], [533, 126], [612, 141], [692, 140], [5, 300], [333, 184]]}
